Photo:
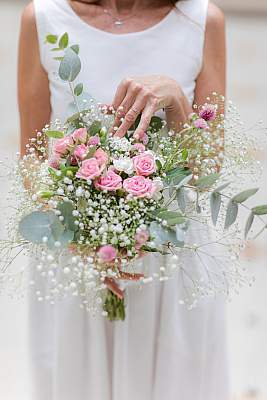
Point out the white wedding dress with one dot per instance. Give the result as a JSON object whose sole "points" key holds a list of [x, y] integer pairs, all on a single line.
{"points": [[161, 351]]}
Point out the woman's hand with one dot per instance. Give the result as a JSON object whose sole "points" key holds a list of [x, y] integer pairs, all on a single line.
{"points": [[146, 95]]}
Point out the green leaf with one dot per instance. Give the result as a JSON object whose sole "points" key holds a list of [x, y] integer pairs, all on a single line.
{"points": [[183, 181], [78, 89], [46, 194], [66, 209], [39, 224], [215, 206], [75, 48], [243, 196], [180, 197], [231, 214], [70, 66], [181, 234], [206, 182], [58, 58], [64, 41], [222, 187], [52, 39], [184, 154], [95, 128], [156, 124], [55, 134], [260, 210], [249, 223], [172, 217], [162, 235], [159, 165]]}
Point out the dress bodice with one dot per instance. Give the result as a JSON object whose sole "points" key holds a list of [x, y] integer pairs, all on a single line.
{"points": [[172, 47]]}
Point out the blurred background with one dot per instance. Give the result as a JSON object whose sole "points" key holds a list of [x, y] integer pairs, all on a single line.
{"points": [[247, 313]]}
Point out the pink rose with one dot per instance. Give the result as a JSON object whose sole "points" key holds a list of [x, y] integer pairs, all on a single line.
{"points": [[141, 238], [81, 151], [145, 139], [139, 147], [101, 157], [200, 123], [110, 181], [80, 135], [94, 140], [208, 112], [89, 169], [107, 253], [54, 161], [139, 186], [61, 146], [144, 164]]}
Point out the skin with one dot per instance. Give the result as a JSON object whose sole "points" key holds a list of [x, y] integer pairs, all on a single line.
{"points": [[145, 94]]}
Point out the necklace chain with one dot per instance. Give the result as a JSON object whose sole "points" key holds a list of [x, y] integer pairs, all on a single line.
{"points": [[118, 21]]}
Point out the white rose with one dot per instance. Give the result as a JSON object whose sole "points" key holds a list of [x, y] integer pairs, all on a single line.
{"points": [[124, 165], [159, 185]]}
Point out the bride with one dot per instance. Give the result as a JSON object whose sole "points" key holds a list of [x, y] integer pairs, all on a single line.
{"points": [[142, 56]]}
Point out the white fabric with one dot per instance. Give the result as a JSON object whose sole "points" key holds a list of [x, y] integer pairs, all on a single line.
{"points": [[162, 350]]}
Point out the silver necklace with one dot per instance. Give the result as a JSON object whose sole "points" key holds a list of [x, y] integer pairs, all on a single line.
{"points": [[116, 19]]}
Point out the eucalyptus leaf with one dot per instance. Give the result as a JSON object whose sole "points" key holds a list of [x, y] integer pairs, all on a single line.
{"points": [[162, 235], [57, 229], [158, 233], [75, 48], [222, 187], [177, 172], [64, 41], [180, 197], [66, 208], [245, 195], [183, 181], [206, 182], [215, 206], [231, 214], [180, 231], [55, 134], [172, 217], [52, 39], [260, 210], [78, 89], [37, 225], [70, 66], [249, 224]]}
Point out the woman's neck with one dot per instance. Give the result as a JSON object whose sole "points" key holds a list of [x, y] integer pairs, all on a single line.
{"points": [[127, 5]]}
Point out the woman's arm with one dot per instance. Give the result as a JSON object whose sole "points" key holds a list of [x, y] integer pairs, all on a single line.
{"points": [[212, 77], [33, 88]]}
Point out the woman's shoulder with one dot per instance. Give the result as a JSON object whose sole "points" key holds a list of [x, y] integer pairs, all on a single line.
{"points": [[28, 14], [215, 17], [28, 23]]}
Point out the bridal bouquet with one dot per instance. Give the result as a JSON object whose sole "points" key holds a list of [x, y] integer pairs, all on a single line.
{"points": [[92, 205]]}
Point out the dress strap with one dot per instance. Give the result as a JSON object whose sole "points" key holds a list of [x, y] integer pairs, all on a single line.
{"points": [[195, 10]]}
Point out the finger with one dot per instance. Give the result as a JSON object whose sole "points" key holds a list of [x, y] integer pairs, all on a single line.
{"points": [[147, 114], [106, 109], [121, 92], [131, 116], [126, 104]]}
